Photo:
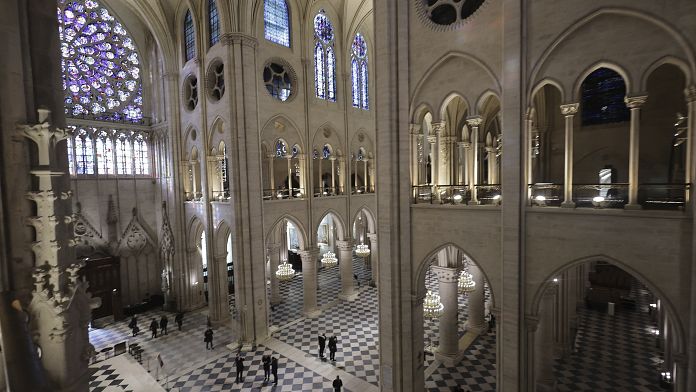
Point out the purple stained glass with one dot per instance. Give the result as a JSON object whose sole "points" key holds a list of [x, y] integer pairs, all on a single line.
{"points": [[323, 29], [359, 73], [359, 46], [99, 61]]}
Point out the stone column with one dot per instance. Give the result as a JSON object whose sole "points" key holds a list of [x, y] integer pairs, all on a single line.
{"points": [[345, 263], [544, 342], [634, 103], [474, 123], [416, 153], [321, 180], [289, 158], [374, 258], [309, 281], [303, 181], [367, 183], [219, 306], [445, 176], [691, 353], [690, 94], [476, 319], [529, 124], [341, 175], [333, 175], [274, 258], [492, 165], [568, 111], [467, 163], [681, 369], [449, 339], [461, 154]]}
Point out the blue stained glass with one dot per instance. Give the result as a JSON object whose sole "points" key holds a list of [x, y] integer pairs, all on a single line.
{"points": [[359, 46], [323, 28], [189, 37], [355, 79], [319, 71], [213, 23], [93, 44], [359, 73], [124, 156], [331, 74], [142, 164], [364, 86], [281, 149], [326, 152], [105, 154], [603, 94], [71, 160], [84, 153], [276, 22]]}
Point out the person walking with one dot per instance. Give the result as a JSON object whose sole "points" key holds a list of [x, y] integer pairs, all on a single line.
{"points": [[153, 328], [133, 325], [332, 348], [274, 369], [266, 360], [239, 364], [208, 339], [337, 384], [357, 281], [163, 325], [179, 319], [322, 345]]}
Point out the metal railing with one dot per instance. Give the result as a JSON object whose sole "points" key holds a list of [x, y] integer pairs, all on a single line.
{"points": [[362, 190], [663, 196], [191, 196], [600, 195], [221, 195], [489, 194], [283, 194], [328, 191], [546, 194], [441, 194]]}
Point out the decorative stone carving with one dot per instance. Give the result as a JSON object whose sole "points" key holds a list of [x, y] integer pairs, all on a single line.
{"points": [[135, 238], [635, 101], [419, 146], [569, 109]]}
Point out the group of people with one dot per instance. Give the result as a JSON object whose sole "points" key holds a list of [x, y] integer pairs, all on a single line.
{"points": [[333, 346], [155, 326], [269, 363]]}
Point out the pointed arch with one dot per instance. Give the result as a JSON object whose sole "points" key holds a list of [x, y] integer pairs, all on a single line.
{"points": [[340, 223], [296, 222], [371, 222], [577, 86]]}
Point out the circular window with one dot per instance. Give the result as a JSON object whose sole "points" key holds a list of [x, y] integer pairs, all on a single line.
{"points": [[216, 81], [447, 13], [190, 92], [279, 80]]}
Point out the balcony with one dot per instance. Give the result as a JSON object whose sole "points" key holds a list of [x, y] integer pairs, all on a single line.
{"points": [[193, 196], [221, 196], [600, 195], [489, 194], [283, 194], [615, 195], [362, 190], [328, 191], [546, 194], [663, 196], [441, 194]]}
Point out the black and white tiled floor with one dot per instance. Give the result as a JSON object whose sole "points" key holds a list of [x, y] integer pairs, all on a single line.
{"points": [[106, 378], [475, 372]]}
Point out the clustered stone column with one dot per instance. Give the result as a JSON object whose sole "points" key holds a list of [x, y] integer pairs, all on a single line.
{"points": [[476, 321], [474, 123], [544, 342], [449, 337], [274, 261], [634, 103], [374, 258], [345, 263], [568, 111], [309, 281]]}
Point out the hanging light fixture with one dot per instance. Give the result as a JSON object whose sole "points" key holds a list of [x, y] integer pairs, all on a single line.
{"points": [[285, 271], [432, 307], [329, 259], [362, 250], [466, 283]]}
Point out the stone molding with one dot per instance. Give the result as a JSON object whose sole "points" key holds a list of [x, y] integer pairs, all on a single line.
{"points": [[229, 39], [635, 102], [569, 109], [345, 245]]}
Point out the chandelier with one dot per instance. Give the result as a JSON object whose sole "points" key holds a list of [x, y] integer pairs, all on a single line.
{"points": [[466, 282], [285, 271], [362, 250], [329, 259], [432, 307]]}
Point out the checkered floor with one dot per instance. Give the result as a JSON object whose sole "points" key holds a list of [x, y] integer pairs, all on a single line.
{"points": [[105, 378], [475, 372], [613, 353], [353, 323]]}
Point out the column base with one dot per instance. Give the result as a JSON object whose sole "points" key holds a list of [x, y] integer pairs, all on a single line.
{"points": [[312, 313], [633, 207], [276, 301], [350, 296], [449, 360], [568, 204], [478, 329]]}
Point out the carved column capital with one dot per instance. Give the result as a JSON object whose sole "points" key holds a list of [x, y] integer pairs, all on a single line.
{"points": [[690, 94], [474, 121], [432, 139], [415, 129], [310, 255], [372, 237], [569, 109], [438, 126], [346, 245], [635, 102], [241, 38]]}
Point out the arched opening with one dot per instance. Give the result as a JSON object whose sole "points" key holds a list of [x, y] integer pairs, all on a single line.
{"points": [[330, 236], [328, 171], [598, 322], [458, 326], [663, 140], [219, 181], [489, 152], [546, 147]]}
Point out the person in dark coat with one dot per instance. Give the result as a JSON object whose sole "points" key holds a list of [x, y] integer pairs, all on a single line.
{"points": [[153, 327], [179, 318], [322, 345], [274, 369], [133, 325], [208, 339], [239, 364], [337, 384], [333, 342], [163, 325], [266, 360]]}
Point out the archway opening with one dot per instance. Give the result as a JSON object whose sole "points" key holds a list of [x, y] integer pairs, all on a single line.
{"points": [[285, 295], [599, 327], [546, 148]]}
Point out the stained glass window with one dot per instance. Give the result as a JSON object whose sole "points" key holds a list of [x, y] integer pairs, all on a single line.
{"points": [[71, 157], [124, 155], [324, 58], [278, 81], [326, 152], [213, 23], [105, 154], [84, 153], [140, 152], [101, 67], [603, 93], [189, 37], [281, 149], [276, 22], [359, 73]]}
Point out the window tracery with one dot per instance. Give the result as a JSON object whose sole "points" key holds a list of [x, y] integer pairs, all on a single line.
{"points": [[101, 67], [603, 93], [276, 21], [213, 23], [324, 58], [278, 80], [189, 37], [360, 86]]}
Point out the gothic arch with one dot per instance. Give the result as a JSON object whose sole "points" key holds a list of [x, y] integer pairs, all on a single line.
{"points": [[195, 228], [677, 62], [422, 269], [671, 309], [303, 233], [448, 99], [601, 64], [371, 227], [340, 224], [220, 240], [544, 82], [420, 111]]}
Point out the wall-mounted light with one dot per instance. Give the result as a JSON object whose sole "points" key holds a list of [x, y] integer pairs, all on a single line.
{"points": [[540, 200], [598, 201], [457, 198]]}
